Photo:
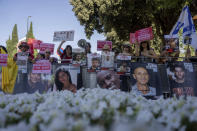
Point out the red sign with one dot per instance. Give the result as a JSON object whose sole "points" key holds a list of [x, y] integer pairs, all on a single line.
{"points": [[100, 44], [133, 38], [46, 46], [42, 66], [3, 59], [144, 34]]}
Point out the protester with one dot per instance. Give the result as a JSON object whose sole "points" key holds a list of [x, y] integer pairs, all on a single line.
{"points": [[145, 53], [108, 79], [24, 47], [87, 48], [66, 56], [142, 87], [39, 56], [47, 56], [63, 81], [126, 49]]}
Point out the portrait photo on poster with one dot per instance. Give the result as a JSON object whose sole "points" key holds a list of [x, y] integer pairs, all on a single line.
{"points": [[107, 59], [66, 77], [94, 62], [108, 79], [145, 79], [171, 44], [123, 64], [182, 79], [78, 56]]}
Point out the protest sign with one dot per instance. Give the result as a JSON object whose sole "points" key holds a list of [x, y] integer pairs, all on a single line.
{"points": [[94, 62], [3, 59], [22, 58], [63, 35], [123, 64], [42, 66], [46, 46], [133, 38], [78, 55], [144, 34], [107, 60], [100, 44]]}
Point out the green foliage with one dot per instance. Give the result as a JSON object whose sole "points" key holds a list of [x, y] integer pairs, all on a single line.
{"points": [[118, 18], [30, 32], [12, 43]]}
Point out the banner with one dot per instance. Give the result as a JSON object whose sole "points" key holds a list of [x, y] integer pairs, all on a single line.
{"points": [[144, 34], [182, 79], [3, 59], [94, 62], [133, 38], [22, 58], [63, 35], [145, 79], [46, 46], [100, 44], [42, 66], [123, 64]]}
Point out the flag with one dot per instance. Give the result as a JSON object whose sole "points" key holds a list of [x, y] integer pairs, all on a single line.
{"points": [[185, 21]]}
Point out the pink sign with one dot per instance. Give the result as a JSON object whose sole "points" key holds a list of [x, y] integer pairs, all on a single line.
{"points": [[46, 46], [3, 59], [100, 44], [144, 34], [42, 66], [132, 38]]}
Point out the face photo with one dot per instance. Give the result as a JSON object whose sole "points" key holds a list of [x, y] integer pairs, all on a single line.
{"points": [[107, 59], [171, 44], [145, 79], [94, 62], [79, 59], [108, 79], [182, 79]]}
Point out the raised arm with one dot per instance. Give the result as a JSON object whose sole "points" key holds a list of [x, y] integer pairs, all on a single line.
{"points": [[58, 49]]}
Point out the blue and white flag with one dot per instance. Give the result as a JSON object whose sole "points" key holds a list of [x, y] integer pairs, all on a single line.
{"points": [[185, 21]]}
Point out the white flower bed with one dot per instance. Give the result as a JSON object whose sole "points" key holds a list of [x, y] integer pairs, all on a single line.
{"points": [[95, 109]]}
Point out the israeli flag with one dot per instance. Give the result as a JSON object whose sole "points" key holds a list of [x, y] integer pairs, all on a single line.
{"points": [[185, 21]]}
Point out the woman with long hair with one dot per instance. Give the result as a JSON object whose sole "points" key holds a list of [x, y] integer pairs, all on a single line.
{"points": [[66, 56], [63, 81]]}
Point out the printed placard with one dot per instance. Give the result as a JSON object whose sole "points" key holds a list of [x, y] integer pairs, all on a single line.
{"points": [[63, 35], [100, 44], [22, 58], [42, 66], [107, 60], [78, 55], [3, 59], [94, 62], [144, 34], [133, 38], [46, 46], [123, 64]]}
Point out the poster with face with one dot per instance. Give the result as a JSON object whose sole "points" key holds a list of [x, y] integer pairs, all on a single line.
{"points": [[22, 58], [171, 44], [94, 62], [78, 55], [182, 79], [107, 60], [66, 77], [108, 79], [145, 79], [123, 64]]}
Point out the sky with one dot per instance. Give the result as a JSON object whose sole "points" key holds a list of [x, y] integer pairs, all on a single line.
{"points": [[47, 16]]}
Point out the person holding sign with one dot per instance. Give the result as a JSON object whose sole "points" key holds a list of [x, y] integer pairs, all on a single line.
{"points": [[146, 54], [24, 47], [66, 56], [47, 56], [141, 87], [126, 49], [87, 48]]}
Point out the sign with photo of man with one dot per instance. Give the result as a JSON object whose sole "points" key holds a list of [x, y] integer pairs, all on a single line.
{"points": [[123, 64], [182, 79], [94, 62], [145, 79]]}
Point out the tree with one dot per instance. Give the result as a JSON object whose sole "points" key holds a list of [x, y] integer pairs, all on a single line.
{"points": [[118, 18], [30, 32], [12, 43]]}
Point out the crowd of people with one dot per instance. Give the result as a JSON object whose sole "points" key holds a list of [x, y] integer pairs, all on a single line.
{"points": [[107, 78]]}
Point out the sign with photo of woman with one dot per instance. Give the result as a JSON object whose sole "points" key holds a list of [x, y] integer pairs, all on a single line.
{"points": [[145, 79], [182, 79], [123, 64]]}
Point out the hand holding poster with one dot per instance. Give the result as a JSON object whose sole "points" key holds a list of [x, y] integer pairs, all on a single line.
{"points": [[45, 46], [3, 59], [63, 35], [42, 66], [100, 44]]}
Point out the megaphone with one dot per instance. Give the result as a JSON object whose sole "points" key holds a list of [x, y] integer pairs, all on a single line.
{"points": [[82, 43]]}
